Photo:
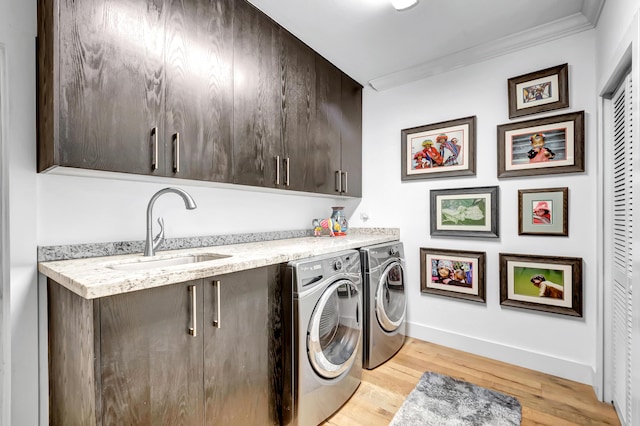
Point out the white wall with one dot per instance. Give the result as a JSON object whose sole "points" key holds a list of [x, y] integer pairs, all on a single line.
{"points": [[560, 345], [87, 209], [17, 34]]}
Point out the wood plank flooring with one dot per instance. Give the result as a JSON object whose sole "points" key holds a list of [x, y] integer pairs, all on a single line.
{"points": [[545, 399]]}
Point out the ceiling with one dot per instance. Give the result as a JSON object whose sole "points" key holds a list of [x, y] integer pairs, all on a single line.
{"points": [[384, 48]]}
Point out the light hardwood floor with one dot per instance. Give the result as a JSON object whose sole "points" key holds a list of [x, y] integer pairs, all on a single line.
{"points": [[545, 399]]}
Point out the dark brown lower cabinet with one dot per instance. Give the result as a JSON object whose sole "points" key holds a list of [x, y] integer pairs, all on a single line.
{"points": [[201, 352]]}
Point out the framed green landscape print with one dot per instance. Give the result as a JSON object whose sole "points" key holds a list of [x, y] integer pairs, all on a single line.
{"points": [[465, 212]]}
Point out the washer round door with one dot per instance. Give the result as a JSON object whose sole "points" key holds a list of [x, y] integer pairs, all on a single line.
{"points": [[335, 330], [391, 302]]}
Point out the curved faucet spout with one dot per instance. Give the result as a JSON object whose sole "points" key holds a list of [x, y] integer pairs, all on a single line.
{"points": [[151, 243]]}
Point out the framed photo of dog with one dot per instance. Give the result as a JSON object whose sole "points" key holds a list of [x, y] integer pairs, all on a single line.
{"points": [[453, 273], [541, 283], [437, 150], [539, 91], [542, 146]]}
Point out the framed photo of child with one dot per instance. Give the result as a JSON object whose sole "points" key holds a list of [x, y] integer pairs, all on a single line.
{"points": [[541, 283], [436, 150], [453, 273], [542, 146], [543, 211], [539, 91]]}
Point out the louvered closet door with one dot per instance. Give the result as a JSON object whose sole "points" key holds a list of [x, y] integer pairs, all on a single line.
{"points": [[622, 251]]}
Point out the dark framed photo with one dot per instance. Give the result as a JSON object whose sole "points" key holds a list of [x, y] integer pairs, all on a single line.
{"points": [[465, 212], [541, 147], [439, 150], [543, 211], [539, 91], [541, 283], [453, 273]]}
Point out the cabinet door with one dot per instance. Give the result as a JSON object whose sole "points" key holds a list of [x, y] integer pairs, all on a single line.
{"points": [[151, 364], [199, 100], [256, 111], [351, 137], [111, 84], [237, 348], [298, 114], [326, 132]]}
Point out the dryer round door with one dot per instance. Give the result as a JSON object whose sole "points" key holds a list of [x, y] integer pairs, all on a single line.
{"points": [[335, 330], [391, 303]]}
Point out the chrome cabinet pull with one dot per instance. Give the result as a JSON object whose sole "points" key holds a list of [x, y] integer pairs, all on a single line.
{"points": [[176, 157], [286, 171], [194, 314], [338, 181], [154, 156], [277, 170], [344, 183], [216, 322]]}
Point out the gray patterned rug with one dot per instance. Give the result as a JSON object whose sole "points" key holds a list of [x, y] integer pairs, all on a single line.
{"points": [[442, 400]]}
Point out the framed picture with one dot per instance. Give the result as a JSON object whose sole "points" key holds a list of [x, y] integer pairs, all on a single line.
{"points": [[543, 211], [439, 150], [453, 273], [543, 146], [466, 212], [541, 283], [539, 91]]}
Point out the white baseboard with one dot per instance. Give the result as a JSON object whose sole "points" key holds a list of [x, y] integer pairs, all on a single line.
{"points": [[559, 367]]}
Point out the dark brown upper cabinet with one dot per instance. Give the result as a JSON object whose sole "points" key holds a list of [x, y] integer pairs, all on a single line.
{"points": [[210, 90], [136, 86], [256, 107]]}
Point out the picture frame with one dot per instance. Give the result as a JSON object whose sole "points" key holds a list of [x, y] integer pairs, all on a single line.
{"points": [[539, 91], [542, 146], [543, 211], [465, 212], [467, 269], [438, 150], [541, 283]]}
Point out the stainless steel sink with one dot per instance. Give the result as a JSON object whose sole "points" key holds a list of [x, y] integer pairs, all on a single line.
{"points": [[163, 263]]}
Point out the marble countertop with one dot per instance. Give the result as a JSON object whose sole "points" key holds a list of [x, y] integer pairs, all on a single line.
{"points": [[95, 277]]}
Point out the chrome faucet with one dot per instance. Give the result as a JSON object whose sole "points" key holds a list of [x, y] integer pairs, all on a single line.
{"points": [[152, 243]]}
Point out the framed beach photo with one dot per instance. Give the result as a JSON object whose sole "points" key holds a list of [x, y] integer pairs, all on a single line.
{"points": [[465, 212], [453, 273], [543, 146], [539, 91], [541, 283], [437, 150], [543, 211]]}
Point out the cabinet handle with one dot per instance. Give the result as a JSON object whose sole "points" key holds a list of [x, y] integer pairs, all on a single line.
{"points": [[154, 156], [176, 157], [194, 314], [286, 171], [338, 181], [344, 183], [216, 322], [277, 170]]}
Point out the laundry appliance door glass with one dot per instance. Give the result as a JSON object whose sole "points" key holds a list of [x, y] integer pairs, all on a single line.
{"points": [[391, 302], [335, 330]]}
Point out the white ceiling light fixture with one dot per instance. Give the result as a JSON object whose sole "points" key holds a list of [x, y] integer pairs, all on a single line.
{"points": [[403, 4]]}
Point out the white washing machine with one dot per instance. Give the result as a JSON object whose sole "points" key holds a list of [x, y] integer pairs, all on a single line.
{"points": [[385, 304], [322, 327]]}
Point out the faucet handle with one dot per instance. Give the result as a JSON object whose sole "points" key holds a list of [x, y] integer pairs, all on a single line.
{"points": [[160, 237]]}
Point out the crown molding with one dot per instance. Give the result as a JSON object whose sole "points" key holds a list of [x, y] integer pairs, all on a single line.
{"points": [[564, 27]]}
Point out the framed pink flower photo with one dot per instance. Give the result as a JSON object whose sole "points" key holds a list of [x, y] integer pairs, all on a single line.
{"points": [[543, 211]]}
